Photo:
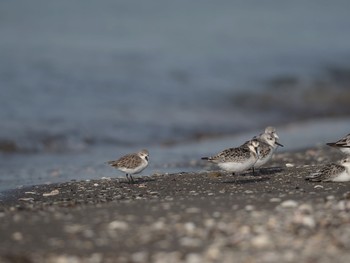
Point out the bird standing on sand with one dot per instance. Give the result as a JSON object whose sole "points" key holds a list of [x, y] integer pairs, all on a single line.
{"points": [[268, 145], [132, 163], [342, 145], [238, 159], [332, 172]]}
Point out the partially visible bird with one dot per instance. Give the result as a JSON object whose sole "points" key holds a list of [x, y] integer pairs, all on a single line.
{"points": [[342, 145], [332, 172]]}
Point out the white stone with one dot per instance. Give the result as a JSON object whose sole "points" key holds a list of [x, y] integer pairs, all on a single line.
{"points": [[289, 204], [53, 192], [118, 225], [261, 241]]}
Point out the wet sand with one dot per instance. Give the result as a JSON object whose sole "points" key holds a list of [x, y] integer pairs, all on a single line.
{"points": [[207, 216]]}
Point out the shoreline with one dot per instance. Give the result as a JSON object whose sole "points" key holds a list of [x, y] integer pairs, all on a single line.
{"points": [[89, 164], [208, 216]]}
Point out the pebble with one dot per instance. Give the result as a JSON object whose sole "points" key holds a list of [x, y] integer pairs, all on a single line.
{"points": [[330, 197], [289, 165], [346, 195], [193, 210], [64, 259], [190, 227], [139, 257], [216, 214], [159, 225], [343, 205], [275, 200], [29, 199], [190, 242], [261, 241], [118, 225], [213, 253], [318, 186], [305, 208], [300, 218], [53, 192], [17, 236], [74, 228], [249, 208], [194, 258], [289, 204]]}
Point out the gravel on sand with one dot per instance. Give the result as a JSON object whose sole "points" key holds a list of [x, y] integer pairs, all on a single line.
{"points": [[207, 216]]}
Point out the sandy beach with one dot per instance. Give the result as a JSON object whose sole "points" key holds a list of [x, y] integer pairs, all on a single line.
{"points": [[205, 216]]}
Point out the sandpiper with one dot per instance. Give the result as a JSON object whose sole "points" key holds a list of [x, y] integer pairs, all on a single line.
{"points": [[238, 159], [332, 172], [132, 163]]}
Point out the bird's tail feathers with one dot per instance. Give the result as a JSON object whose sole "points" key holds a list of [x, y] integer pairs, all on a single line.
{"points": [[110, 163], [313, 177]]}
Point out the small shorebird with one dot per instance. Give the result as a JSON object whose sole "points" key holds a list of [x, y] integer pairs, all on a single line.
{"points": [[332, 172], [268, 145], [238, 159], [132, 163], [342, 145]]}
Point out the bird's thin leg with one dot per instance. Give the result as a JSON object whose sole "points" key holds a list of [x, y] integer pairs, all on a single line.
{"points": [[253, 170], [132, 179], [127, 177]]}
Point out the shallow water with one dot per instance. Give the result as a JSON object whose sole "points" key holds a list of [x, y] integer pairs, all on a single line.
{"points": [[83, 77]]}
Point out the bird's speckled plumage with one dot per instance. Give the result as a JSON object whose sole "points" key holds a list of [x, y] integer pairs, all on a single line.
{"points": [[237, 159], [232, 154], [336, 172], [268, 145]]}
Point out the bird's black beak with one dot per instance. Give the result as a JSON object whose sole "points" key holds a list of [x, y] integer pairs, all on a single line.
{"points": [[146, 157], [279, 144]]}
